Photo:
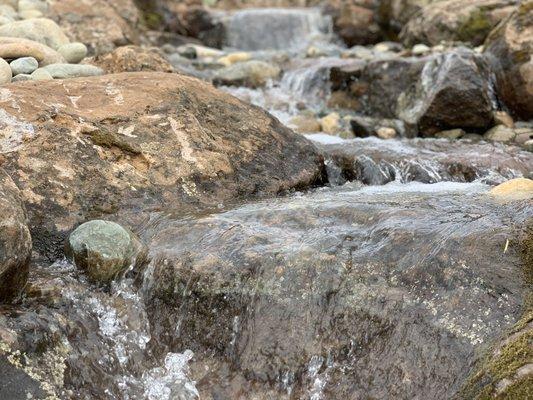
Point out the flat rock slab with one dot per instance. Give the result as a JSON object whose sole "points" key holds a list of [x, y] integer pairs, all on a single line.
{"points": [[375, 161], [124, 143], [385, 292]]}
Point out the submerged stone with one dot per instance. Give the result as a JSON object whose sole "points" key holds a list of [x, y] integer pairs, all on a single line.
{"points": [[104, 249]]}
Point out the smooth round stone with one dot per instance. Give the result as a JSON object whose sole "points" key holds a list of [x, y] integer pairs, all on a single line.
{"points": [[21, 78], [5, 20], [104, 249], [5, 72], [63, 71], [41, 74], [73, 52], [24, 65]]}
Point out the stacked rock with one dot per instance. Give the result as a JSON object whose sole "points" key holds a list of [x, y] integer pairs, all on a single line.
{"points": [[33, 47]]}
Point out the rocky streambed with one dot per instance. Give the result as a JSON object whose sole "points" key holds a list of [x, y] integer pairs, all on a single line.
{"points": [[325, 200]]}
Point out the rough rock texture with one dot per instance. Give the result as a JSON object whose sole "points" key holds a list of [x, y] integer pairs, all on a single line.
{"points": [[353, 289], [355, 21], [100, 24], [394, 14], [374, 162], [509, 49], [431, 94], [17, 384], [132, 59], [83, 148], [104, 249], [453, 92], [455, 20], [15, 240]]}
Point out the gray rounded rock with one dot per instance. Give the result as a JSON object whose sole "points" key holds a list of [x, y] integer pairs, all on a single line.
{"points": [[104, 249], [21, 78], [5, 72], [24, 65], [73, 52], [63, 71], [40, 74]]}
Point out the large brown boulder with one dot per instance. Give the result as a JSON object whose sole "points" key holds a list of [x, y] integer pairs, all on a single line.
{"points": [[509, 48], [133, 59], [394, 14], [117, 145], [15, 240], [455, 20], [101, 24]]}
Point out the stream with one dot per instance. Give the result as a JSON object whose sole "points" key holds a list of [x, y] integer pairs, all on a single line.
{"points": [[385, 283]]}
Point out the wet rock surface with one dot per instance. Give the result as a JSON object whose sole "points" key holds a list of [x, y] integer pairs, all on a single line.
{"points": [[15, 240], [353, 288], [373, 162], [182, 144]]}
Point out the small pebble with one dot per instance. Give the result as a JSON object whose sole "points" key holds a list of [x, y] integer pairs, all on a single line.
{"points": [[41, 74], [24, 65], [5, 72], [73, 52], [419, 49]]}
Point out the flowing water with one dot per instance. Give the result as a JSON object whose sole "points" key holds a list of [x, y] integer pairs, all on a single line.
{"points": [[375, 285]]}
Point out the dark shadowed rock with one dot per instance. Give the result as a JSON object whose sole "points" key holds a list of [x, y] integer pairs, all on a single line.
{"points": [[15, 240], [376, 162], [355, 289], [120, 144], [453, 91], [509, 48], [455, 20], [15, 384], [430, 94]]}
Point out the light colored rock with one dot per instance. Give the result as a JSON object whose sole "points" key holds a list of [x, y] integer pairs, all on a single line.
{"points": [[420, 48], [41, 74], [42, 30], [305, 124], [25, 5], [450, 134], [21, 78], [62, 71], [7, 11], [30, 14], [514, 189], [233, 58], [15, 240], [528, 145], [5, 72], [199, 51], [331, 123], [500, 133], [24, 65], [12, 48], [5, 20], [73, 52], [503, 118], [104, 249], [386, 133], [249, 73]]}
